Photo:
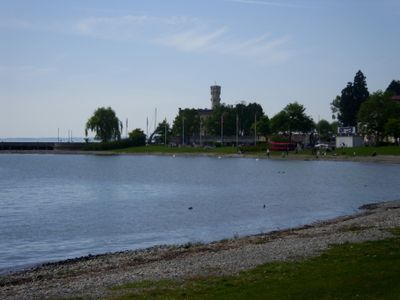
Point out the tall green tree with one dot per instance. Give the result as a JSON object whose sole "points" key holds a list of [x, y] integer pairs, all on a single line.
{"points": [[228, 115], [138, 137], [392, 128], [346, 106], [374, 114], [263, 126], [335, 126], [325, 130], [394, 87], [186, 123], [292, 119], [222, 116], [247, 114], [105, 124], [163, 132]]}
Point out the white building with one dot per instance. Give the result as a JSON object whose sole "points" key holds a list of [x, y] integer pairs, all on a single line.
{"points": [[347, 138], [349, 141]]}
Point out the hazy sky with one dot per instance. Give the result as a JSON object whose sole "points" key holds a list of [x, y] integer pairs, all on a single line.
{"points": [[60, 60]]}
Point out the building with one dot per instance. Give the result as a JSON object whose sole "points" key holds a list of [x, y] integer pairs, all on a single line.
{"points": [[349, 141], [215, 96], [396, 98], [347, 138], [215, 102]]}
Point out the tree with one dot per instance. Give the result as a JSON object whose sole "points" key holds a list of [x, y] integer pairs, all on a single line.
{"points": [[138, 137], [292, 119], [162, 129], [374, 114], [392, 128], [223, 115], [246, 115], [360, 89], [263, 126], [346, 106], [394, 87], [335, 108], [335, 126], [190, 119], [324, 130], [105, 124]]}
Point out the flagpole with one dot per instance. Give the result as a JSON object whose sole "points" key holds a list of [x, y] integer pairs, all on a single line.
{"points": [[147, 129], [237, 130], [126, 128], [165, 133], [255, 129]]}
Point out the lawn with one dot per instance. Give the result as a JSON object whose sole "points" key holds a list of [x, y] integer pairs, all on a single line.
{"points": [[369, 270], [166, 149], [359, 151], [369, 151]]}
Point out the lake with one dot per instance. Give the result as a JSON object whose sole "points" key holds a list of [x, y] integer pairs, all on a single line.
{"points": [[54, 207]]}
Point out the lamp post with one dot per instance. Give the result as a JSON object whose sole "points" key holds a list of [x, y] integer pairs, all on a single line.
{"points": [[183, 130], [200, 132], [255, 129], [165, 132]]}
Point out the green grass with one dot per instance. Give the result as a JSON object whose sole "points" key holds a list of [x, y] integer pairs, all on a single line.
{"points": [[369, 270], [360, 151], [368, 151], [165, 149]]}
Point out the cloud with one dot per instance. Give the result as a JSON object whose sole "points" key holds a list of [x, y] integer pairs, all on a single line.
{"points": [[125, 27], [192, 40], [182, 33], [263, 49], [16, 23], [24, 71], [268, 3], [185, 34]]}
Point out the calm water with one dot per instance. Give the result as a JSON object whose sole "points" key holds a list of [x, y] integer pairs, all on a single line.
{"points": [[61, 206]]}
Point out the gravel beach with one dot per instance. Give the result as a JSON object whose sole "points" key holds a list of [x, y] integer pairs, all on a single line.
{"points": [[92, 276]]}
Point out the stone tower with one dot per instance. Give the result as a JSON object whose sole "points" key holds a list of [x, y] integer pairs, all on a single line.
{"points": [[215, 96]]}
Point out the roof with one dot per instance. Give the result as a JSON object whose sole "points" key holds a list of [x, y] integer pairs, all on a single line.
{"points": [[396, 98]]}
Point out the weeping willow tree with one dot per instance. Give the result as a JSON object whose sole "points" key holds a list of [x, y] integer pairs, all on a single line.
{"points": [[105, 124]]}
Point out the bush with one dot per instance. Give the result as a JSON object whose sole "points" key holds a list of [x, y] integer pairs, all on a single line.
{"points": [[279, 139], [124, 143], [258, 148]]}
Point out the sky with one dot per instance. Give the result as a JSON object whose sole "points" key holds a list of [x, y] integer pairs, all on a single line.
{"points": [[60, 60]]}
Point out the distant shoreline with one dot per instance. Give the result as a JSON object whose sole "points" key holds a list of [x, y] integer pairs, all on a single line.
{"points": [[390, 159]]}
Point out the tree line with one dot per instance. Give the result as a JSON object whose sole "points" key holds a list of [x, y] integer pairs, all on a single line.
{"points": [[376, 115], [241, 119]]}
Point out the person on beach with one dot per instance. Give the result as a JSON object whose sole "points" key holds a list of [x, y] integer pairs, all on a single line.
{"points": [[268, 152]]}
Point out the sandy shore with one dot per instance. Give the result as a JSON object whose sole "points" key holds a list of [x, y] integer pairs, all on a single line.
{"points": [[91, 277]]}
